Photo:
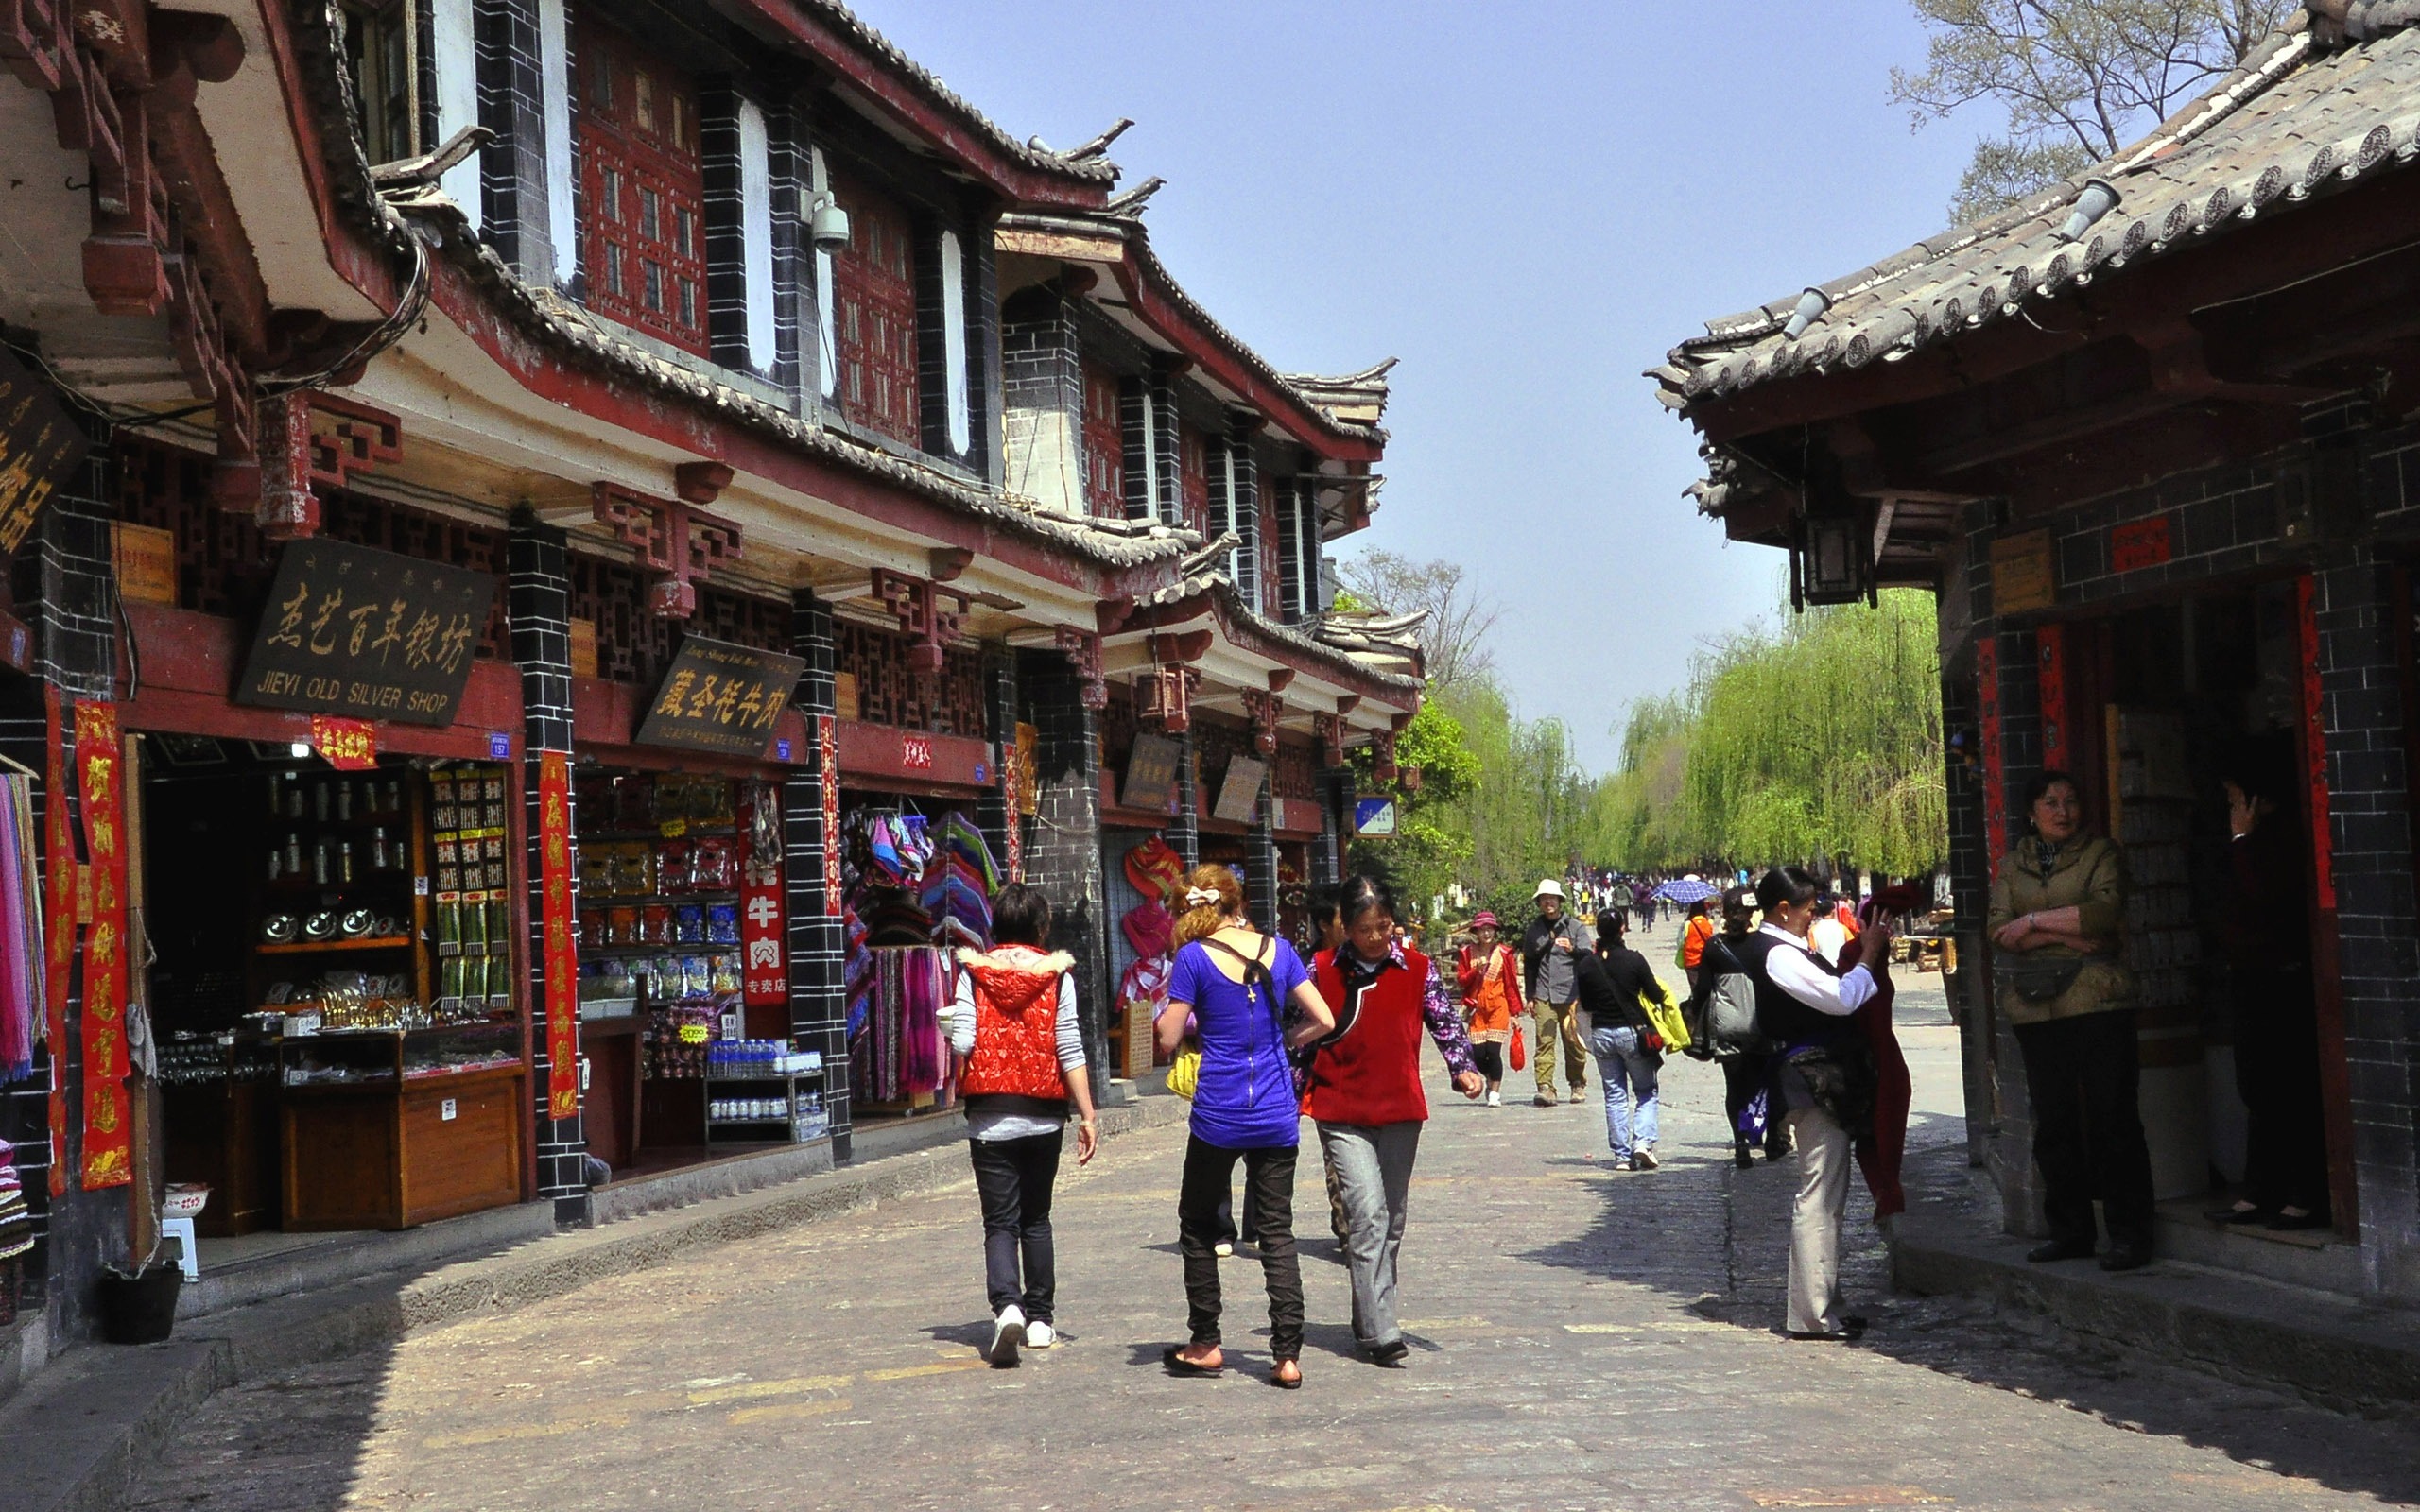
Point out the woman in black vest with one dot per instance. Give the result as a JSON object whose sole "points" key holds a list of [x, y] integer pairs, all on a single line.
{"points": [[1826, 1071]]}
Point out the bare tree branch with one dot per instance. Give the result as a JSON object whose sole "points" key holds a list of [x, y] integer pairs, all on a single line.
{"points": [[1459, 618], [2077, 77]]}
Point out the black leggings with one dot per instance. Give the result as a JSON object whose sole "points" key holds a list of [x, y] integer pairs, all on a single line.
{"points": [[1269, 1176], [1488, 1056], [2082, 1074]]}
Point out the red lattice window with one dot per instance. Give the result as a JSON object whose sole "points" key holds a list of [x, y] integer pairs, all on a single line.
{"points": [[641, 173], [874, 319], [1193, 478], [1274, 502], [1104, 445]]}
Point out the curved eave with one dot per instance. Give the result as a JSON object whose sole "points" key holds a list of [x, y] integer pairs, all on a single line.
{"points": [[1319, 671]]}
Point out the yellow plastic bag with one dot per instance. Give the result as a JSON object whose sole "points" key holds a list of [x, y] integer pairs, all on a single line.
{"points": [[1666, 1015], [1185, 1072]]}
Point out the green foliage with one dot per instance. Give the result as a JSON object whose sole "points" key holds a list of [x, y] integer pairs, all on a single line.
{"points": [[1819, 739]]}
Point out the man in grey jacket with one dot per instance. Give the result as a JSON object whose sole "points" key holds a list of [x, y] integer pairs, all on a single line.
{"points": [[1549, 950]]}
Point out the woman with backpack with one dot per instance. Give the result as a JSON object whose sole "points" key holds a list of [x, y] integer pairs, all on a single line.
{"points": [[1364, 1091], [1232, 989], [1021, 1063]]}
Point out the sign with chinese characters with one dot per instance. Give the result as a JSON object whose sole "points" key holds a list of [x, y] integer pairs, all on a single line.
{"points": [[915, 752], [367, 634], [40, 448], [720, 697], [827, 771], [108, 1124], [561, 953], [145, 560], [346, 745], [1239, 790], [2138, 544], [764, 959], [1150, 773], [2022, 575]]}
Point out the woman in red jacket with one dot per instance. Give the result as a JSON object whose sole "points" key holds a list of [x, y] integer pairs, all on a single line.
{"points": [[1364, 1091]]}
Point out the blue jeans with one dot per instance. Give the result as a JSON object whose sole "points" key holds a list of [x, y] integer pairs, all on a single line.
{"points": [[1628, 1074]]}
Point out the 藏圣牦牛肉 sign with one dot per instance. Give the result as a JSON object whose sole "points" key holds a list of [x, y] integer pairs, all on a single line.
{"points": [[720, 697], [367, 634]]}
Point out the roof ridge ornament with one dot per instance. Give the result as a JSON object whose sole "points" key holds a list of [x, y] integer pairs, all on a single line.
{"points": [[1811, 307]]}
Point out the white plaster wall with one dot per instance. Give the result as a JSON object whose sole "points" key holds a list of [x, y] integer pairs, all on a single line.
{"points": [[457, 98], [756, 232], [554, 72], [961, 427]]}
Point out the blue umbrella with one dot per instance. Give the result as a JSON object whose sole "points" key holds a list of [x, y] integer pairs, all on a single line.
{"points": [[1686, 890]]}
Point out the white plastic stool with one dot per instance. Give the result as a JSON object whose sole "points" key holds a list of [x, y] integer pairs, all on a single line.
{"points": [[180, 1229]]}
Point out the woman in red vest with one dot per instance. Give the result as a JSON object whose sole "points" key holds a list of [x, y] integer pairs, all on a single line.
{"points": [[1364, 1091], [1021, 1063]]}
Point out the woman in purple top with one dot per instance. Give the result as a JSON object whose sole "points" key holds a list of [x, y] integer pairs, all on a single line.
{"points": [[1231, 987]]}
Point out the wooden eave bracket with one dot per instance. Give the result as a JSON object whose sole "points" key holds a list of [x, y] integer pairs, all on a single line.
{"points": [[677, 543]]}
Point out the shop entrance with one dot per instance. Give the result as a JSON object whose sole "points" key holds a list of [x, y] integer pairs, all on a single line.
{"points": [[917, 879], [2153, 711], [684, 1009], [335, 985]]}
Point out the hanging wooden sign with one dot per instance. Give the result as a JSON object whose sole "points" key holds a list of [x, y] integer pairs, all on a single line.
{"points": [[368, 634], [1150, 773], [40, 448], [720, 697], [1239, 790]]}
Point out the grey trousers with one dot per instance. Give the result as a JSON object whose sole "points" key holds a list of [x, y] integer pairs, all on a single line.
{"points": [[1815, 1221], [1373, 1167]]}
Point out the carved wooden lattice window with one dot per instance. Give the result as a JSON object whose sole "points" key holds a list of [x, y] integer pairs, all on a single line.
{"points": [[888, 692], [873, 294], [642, 181], [634, 645], [1193, 478], [1104, 445], [1276, 503], [1295, 773], [225, 567]]}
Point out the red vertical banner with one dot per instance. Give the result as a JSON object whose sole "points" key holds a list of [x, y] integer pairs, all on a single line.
{"points": [[100, 790], [827, 762], [1987, 704], [2052, 641], [58, 930], [562, 954], [1012, 805], [764, 921], [2323, 842]]}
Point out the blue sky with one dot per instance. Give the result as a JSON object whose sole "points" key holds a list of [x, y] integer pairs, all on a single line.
{"points": [[1526, 202]]}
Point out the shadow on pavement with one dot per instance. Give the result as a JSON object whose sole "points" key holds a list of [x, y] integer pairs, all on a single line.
{"points": [[1655, 1230]]}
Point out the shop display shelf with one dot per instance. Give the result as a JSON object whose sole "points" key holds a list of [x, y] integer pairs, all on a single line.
{"points": [[301, 947], [589, 836], [642, 900]]}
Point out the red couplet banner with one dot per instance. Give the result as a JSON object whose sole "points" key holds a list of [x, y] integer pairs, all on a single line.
{"points": [[109, 1133], [562, 954]]}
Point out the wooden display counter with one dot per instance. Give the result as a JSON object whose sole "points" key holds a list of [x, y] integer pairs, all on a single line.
{"points": [[390, 1155]]}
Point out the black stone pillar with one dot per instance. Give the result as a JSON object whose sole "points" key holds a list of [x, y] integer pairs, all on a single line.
{"points": [[819, 1014]]}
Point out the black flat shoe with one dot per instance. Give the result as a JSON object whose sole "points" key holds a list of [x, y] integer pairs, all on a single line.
{"points": [[2288, 1222], [1179, 1365], [2126, 1256], [1743, 1154], [2239, 1215], [1281, 1383], [1389, 1354], [2057, 1249]]}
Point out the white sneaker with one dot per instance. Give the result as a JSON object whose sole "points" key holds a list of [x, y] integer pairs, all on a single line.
{"points": [[1008, 1333], [1222, 1249], [1040, 1336], [1496, 1099]]}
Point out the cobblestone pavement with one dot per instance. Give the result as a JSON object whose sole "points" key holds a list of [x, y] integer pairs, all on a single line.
{"points": [[1584, 1339]]}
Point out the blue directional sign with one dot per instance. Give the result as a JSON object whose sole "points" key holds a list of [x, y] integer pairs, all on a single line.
{"points": [[1374, 818]]}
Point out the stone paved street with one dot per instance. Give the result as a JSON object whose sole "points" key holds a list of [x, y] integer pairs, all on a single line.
{"points": [[1585, 1339]]}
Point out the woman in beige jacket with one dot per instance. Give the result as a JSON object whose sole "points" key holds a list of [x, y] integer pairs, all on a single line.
{"points": [[2058, 905]]}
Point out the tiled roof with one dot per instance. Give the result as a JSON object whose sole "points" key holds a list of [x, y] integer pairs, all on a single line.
{"points": [[1204, 578], [597, 343], [1092, 168], [2308, 112], [1350, 405]]}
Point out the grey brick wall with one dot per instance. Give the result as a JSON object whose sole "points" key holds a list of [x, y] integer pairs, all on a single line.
{"points": [[538, 599], [513, 169], [1065, 859], [818, 1017]]}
